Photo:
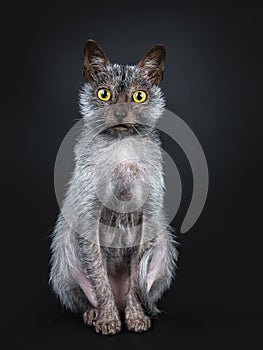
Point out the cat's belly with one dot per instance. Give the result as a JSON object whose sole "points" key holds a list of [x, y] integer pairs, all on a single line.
{"points": [[122, 194], [122, 180], [120, 230], [125, 190]]}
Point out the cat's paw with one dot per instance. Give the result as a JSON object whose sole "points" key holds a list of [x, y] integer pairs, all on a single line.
{"points": [[138, 323], [108, 327], [90, 317]]}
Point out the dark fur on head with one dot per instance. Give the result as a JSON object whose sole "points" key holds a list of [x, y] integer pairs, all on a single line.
{"points": [[151, 67], [122, 81]]}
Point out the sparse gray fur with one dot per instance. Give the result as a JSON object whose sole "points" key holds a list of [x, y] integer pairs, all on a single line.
{"points": [[88, 274]]}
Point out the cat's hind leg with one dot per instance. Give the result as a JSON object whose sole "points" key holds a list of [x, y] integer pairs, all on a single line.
{"points": [[156, 270]]}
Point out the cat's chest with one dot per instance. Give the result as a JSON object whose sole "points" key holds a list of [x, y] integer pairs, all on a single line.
{"points": [[130, 148]]}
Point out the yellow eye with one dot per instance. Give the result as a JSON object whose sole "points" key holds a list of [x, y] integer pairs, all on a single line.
{"points": [[139, 96], [104, 94]]}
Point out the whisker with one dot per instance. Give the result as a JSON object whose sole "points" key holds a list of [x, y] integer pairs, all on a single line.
{"points": [[104, 127]]}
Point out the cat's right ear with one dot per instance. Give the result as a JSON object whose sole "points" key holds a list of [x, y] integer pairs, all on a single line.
{"points": [[95, 60]]}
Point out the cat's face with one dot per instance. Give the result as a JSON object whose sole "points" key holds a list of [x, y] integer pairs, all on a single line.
{"points": [[121, 99]]}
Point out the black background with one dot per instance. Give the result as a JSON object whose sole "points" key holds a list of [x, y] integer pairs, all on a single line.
{"points": [[213, 81]]}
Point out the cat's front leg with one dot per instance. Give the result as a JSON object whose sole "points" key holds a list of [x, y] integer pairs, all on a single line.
{"points": [[135, 317], [107, 320]]}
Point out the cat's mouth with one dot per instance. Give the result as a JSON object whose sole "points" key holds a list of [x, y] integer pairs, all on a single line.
{"points": [[122, 127]]}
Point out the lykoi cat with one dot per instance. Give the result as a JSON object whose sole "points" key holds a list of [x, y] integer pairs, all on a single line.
{"points": [[113, 252]]}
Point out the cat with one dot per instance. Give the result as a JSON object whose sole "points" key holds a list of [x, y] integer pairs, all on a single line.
{"points": [[113, 252]]}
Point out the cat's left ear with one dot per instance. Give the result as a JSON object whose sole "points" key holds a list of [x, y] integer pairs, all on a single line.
{"points": [[152, 64], [95, 60]]}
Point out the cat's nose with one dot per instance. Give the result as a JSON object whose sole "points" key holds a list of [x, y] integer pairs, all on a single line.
{"points": [[120, 115]]}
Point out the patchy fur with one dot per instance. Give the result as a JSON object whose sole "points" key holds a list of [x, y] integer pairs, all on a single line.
{"points": [[88, 274]]}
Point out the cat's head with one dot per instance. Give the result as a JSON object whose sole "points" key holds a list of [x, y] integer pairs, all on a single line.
{"points": [[121, 98]]}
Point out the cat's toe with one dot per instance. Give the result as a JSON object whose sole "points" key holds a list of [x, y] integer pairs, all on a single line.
{"points": [[108, 327], [90, 317], [139, 324]]}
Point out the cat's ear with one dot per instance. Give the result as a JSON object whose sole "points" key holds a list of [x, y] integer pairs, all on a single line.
{"points": [[152, 64], [95, 60]]}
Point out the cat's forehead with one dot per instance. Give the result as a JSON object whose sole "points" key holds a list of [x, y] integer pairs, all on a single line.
{"points": [[124, 72], [121, 76]]}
